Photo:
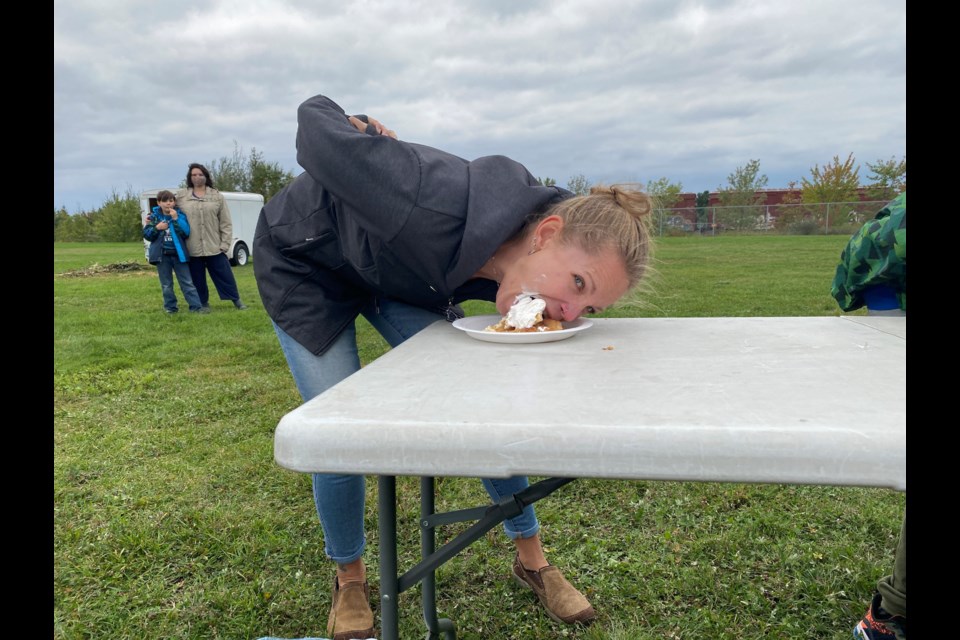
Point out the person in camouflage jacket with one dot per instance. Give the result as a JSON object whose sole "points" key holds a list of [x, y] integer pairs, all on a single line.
{"points": [[873, 266], [873, 273]]}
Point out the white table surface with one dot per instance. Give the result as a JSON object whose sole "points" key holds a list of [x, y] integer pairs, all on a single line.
{"points": [[815, 400]]}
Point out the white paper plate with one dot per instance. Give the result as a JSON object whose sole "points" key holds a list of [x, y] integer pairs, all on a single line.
{"points": [[474, 327]]}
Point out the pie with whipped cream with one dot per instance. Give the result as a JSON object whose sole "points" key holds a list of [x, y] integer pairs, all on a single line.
{"points": [[526, 316]]}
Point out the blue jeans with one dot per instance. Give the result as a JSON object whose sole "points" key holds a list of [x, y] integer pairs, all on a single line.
{"points": [[220, 272], [340, 498], [167, 266]]}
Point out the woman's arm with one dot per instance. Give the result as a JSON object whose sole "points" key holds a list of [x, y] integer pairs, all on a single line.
{"points": [[377, 176], [150, 229], [226, 225]]}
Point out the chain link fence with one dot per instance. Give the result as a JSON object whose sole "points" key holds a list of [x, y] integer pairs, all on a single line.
{"points": [[773, 219]]}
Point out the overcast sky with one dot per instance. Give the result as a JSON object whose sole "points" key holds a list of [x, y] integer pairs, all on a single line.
{"points": [[616, 90]]}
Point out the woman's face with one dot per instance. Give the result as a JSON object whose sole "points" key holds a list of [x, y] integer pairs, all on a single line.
{"points": [[571, 281], [197, 178]]}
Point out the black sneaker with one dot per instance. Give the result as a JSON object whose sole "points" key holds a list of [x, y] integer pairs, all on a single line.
{"points": [[200, 310], [239, 305], [877, 624], [170, 311]]}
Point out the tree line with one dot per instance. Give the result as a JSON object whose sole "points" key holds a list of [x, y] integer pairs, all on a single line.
{"points": [[118, 219], [742, 199]]}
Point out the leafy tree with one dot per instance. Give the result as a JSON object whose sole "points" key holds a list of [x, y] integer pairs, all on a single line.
{"points": [[743, 184], [703, 202], [230, 173], [888, 178], [836, 182], [665, 196], [266, 178], [579, 184], [118, 220], [741, 201], [60, 216], [666, 193], [76, 228], [252, 173], [547, 182]]}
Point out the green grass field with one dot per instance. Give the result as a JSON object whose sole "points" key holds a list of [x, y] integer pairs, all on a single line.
{"points": [[171, 519]]}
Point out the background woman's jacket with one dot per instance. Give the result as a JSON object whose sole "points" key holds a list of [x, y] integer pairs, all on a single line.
{"points": [[212, 224], [374, 215]]}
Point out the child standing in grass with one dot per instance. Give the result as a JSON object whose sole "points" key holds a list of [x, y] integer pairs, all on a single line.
{"points": [[167, 230]]}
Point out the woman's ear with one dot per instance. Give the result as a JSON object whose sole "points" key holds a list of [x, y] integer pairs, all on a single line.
{"points": [[547, 230]]}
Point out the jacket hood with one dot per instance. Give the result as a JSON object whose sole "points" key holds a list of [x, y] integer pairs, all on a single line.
{"points": [[502, 193]]}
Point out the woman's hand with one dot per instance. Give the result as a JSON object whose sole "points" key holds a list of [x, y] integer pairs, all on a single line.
{"points": [[378, 128]]}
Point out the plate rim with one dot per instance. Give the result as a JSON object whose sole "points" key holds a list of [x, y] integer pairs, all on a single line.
{"points": [[582, 323]]}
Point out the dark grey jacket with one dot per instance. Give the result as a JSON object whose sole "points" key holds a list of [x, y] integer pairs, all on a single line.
{"points": [[376, 216]]}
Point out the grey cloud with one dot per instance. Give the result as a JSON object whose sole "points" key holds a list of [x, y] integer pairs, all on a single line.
{"points": [[612, 89]]}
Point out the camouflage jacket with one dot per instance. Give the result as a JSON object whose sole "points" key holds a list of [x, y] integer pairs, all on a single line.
{"points": [[875, 256]]}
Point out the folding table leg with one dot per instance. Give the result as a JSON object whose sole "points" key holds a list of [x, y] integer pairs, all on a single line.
{"points": [[428, 585], [486, 518], [389, 581]]}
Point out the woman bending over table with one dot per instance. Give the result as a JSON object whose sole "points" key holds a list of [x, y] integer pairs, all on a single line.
{"points": [[402, 233]]}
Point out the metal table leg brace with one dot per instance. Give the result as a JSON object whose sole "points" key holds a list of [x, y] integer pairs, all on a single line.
{"points": [[392, 584]]}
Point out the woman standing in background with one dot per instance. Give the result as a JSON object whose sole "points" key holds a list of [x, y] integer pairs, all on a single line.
{"points": [[211, 236]]}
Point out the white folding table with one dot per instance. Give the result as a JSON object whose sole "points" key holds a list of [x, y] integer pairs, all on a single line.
{"points": [[798, 400]]}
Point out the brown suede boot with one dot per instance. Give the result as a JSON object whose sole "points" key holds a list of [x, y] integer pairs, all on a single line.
{"points": [[561, 600], [350, 614]]}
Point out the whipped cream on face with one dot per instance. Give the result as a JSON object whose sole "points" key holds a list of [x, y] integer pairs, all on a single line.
{"points": [[527, 310]]}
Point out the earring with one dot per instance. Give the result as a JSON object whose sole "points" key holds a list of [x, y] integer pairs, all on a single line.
{"points": [[534, 250]]}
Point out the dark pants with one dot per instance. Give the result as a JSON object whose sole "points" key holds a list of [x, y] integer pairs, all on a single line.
{"points": [[220, 272], [893, 588]]}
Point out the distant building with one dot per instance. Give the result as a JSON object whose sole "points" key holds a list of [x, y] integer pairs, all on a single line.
{"points": [[683, 214], [773, 197]]}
